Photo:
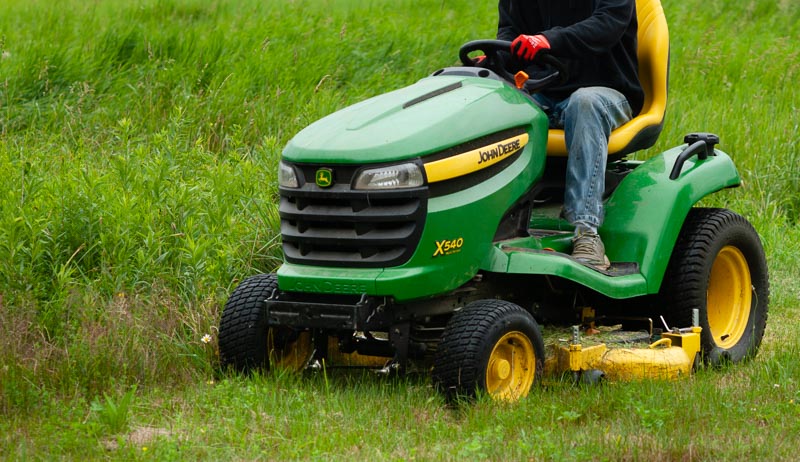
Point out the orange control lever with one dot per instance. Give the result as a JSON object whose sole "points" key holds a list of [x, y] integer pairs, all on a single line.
{"points": [[520, 78]]}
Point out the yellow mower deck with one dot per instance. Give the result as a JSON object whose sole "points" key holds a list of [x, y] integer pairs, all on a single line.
{"points": [[610, 352], [671, 357]]}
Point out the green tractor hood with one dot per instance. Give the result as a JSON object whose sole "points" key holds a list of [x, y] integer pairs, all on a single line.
{"points": [[431, 115]]}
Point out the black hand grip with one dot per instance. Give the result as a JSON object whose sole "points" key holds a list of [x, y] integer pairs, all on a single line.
{"points": [[701, 144]]}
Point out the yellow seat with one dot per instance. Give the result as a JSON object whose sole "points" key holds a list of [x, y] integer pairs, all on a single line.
{"points": [[653, 52]]}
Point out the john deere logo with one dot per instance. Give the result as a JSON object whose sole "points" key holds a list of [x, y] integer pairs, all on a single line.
{"points": [[324, 177]]}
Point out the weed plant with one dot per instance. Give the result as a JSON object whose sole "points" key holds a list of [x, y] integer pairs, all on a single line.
{"points": [[138, 145]]}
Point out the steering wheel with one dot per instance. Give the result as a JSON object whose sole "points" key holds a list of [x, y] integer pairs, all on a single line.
{"points": [[494, 61]]}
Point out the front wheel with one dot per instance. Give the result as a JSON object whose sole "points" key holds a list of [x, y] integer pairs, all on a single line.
{"points": [[491, 346], [245, 340], [718, 266]]}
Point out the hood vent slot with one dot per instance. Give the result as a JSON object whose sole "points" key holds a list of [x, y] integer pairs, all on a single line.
{"points": [[433, 94]]}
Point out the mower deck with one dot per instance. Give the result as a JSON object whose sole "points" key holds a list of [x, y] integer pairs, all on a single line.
{"points": [[621, 355]]}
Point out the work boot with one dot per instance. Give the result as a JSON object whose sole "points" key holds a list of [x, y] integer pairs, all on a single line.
{"points": [[588, 248]]}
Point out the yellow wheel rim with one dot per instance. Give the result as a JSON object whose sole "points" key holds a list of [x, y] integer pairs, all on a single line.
{"points": [[511, 367], [292, 356], [729, 297]]}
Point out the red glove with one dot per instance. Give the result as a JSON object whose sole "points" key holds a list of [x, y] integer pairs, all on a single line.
{"points": [[526, 46]]}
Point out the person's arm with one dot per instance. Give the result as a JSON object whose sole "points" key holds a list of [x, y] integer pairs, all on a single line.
{"points": [[595, 34], [517, 17], [505, 25]]}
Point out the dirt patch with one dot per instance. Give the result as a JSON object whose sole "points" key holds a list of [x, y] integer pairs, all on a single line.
{"points": [[139, 436]]}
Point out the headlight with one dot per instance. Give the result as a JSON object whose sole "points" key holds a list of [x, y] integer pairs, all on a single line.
{"points": [[287, 177], [390, 177]]}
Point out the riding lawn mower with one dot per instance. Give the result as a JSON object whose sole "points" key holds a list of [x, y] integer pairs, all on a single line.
{"points": [[421, 232]]}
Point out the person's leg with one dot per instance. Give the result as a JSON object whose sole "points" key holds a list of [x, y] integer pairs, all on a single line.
{"points": [[551, 108], [589, 115]]}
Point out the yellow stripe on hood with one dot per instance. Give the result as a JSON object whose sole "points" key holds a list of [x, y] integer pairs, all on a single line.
{"points": [[472, 161]]}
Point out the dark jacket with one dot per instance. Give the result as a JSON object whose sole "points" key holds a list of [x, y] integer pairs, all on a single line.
{"points": [[596, 39]]}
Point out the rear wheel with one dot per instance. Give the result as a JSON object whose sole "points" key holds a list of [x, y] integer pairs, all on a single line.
{"points": [[718, 267], [245, 340], [492, 346]]}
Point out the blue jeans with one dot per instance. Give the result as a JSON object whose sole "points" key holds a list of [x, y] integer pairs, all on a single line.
{"points": [[588, 116]]}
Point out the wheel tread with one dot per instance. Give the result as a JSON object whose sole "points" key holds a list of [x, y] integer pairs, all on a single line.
{"points": [[685, 280], [242, 330], [456, 371]]}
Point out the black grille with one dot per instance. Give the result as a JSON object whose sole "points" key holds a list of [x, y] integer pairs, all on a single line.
{"points": [[339, 226]]}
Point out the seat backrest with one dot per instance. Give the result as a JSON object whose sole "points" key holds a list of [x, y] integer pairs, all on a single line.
{"points": [[653, 53]]}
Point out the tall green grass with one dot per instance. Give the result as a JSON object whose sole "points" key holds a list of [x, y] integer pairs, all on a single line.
{"points": [[733, 71], [138, 144]]}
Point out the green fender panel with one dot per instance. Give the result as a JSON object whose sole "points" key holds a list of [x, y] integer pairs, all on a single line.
{"points": [[645, 213], [644, 216]]}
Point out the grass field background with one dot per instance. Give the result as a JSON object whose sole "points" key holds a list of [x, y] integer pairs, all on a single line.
{"points": [[138, 146]]}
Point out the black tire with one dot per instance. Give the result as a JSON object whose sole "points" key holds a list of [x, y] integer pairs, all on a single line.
{"points": [[476, 346], [243, 328], [718, 266]]}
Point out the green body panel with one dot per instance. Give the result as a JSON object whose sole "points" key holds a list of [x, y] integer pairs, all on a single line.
{"points": [[556, 264], [467, 220], [644, 216], [380, 129], [317, 279], [646, 212], [469, 217]]}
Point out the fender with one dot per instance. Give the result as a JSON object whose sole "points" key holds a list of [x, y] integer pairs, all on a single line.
{"points": [[645, 213], [644, 216]]}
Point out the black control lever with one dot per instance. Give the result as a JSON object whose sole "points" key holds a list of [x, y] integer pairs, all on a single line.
{"points": [[701, 144]]}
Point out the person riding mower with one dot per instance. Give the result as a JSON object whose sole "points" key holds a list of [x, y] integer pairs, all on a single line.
{"points": [[421, 230]]}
